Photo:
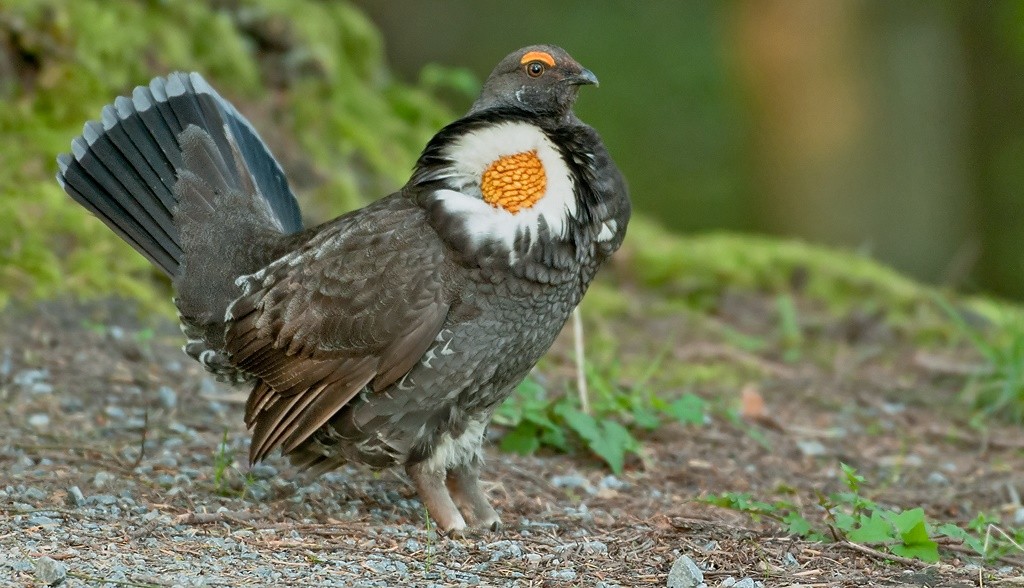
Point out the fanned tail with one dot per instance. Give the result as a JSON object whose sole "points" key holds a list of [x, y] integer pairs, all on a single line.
{"points": [[124, 167]]}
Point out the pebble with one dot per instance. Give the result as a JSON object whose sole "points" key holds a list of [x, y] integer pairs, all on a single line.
{"points": [[101, 479], [75, 496], [685, 574], [564, 575], [263, 471], [103, 499], [114, 412], [25, 378], [6, 364], [39, 421], [41, 521], [50, 571], [574, 481], [1018, 517], [33, 493], [589, 547], [612, 483], [937, 479], [811, 448], [168, 397]]}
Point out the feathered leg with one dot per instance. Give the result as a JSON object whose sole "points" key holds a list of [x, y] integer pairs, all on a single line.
{"points": [[430, 484], [464, 486]]}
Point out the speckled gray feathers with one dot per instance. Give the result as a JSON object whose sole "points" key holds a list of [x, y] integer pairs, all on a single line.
{"points": [[389, 335]]}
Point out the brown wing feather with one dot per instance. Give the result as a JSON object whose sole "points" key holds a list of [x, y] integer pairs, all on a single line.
{"points": [[357, 305]]}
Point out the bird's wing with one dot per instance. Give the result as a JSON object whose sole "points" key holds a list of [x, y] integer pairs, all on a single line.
{"points": [[357, 305]]}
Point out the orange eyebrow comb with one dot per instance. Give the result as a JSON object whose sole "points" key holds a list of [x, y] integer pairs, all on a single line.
{"points": [[541, 56]]}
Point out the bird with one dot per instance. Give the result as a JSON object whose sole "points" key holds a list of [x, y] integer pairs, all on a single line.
{"points": [[389, 335]]}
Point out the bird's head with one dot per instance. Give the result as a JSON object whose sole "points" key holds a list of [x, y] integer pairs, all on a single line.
{"points": [[542, 79]]}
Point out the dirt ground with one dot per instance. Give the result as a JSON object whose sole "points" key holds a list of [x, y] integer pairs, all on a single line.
{"points": [[83, 389]]}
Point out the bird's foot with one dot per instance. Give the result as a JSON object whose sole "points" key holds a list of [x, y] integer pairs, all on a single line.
{"points": [[464, 487]]}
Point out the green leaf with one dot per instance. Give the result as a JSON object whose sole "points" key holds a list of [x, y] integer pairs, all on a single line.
{"points": [[873, 529], [845, 522], [928, 552], [645, 418], [909, 521], [914, 533], [688, 409], [554, 438], [522, 439], [614, 444], [954, 532], [798, 525], [606, 438], [853, 479], [581, 423]]}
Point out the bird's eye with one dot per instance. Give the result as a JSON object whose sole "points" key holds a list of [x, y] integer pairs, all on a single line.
{"points": [[534, 69]]}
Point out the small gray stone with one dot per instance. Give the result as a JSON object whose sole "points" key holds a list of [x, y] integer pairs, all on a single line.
{"points": [[39, 420], [612, 483], [6, 365], [50, 571], [728, 582], [167, 396], [40, 388], [263, 471], [563, 575], [811, 448], [25, 378], [41, 521], [33, 493], [75, 497], [685, 574], [1018, 517], [114, 412], [937, 479], [745, 583], [102, 479], [574, 481], [103, 499]]}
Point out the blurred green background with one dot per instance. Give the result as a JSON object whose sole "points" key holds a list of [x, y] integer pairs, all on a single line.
{"points": [[892, 128]]}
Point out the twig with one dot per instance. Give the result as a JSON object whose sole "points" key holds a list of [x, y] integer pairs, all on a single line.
{"points": [[874, 553], [104, 581], [581, 367], [202, 518], [142, 442]]}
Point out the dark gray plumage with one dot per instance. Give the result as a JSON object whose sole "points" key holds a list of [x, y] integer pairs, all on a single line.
{"points": [[389, 335]]}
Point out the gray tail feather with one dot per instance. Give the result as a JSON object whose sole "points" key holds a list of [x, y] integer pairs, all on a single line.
{"points": [[123, 168]]}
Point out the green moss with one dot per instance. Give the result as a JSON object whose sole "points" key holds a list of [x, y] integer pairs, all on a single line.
{"points": [[357, 128]]}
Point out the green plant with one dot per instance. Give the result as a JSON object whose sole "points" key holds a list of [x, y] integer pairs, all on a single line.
{"points": [[850, 516], [999, 388], [536, 420], [789, 327], [222, 460], [429, 561]]}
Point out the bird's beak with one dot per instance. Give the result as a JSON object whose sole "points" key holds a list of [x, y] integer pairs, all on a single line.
{"points": [[584, 78]]}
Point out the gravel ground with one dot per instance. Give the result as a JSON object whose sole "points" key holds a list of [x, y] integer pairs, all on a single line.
{"points": [[121, 464]]}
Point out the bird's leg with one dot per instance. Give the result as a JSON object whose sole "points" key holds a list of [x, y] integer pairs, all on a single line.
{"points": [[434, 494], [464, 485]]}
